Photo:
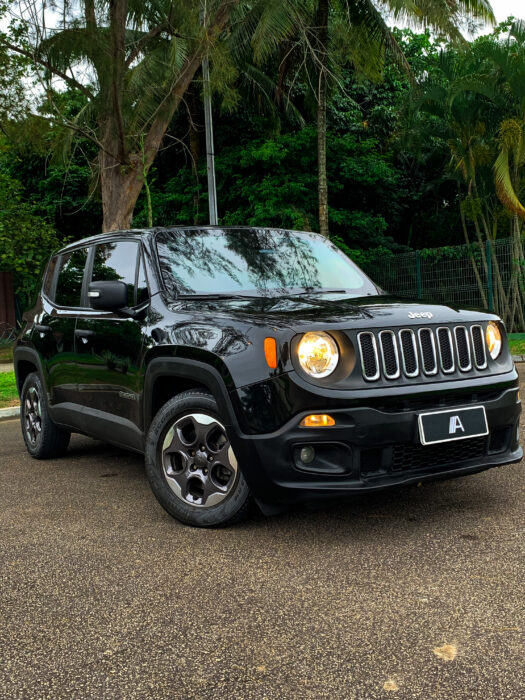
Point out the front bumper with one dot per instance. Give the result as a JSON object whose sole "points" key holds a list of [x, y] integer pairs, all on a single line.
{"points": [[373, 448]]}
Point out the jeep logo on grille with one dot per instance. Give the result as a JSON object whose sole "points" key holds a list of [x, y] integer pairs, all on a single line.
{"points": [[420, 314]]}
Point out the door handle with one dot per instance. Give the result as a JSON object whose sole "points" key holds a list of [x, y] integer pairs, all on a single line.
{"points": [[42, 329], [84, 333]]}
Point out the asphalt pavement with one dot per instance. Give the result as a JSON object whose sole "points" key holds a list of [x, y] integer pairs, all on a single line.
{"points": [[415, 593]]}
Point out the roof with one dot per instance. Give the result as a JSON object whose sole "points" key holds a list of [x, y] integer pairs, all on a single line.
{"points": [[141, 232]]}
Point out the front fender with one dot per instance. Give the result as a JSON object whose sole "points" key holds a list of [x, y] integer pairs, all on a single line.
{"points": [[191, 369]]}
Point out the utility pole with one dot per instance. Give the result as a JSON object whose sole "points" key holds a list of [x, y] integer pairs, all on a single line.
{"points": [[208, 128]]}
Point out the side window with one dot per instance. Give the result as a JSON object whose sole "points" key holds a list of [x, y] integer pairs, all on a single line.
{"points": [[70, 276], [142, 284], [117, 261], [48, 280]]}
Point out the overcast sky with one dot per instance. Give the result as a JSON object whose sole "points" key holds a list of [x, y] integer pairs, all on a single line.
{"points": [[504, 8]]}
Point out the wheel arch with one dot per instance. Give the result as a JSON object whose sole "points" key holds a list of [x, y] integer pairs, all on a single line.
{"points": [[167, 377], [26, 360]]}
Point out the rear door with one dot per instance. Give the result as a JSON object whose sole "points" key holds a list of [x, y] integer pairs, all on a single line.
{"points": [[54, 330], [109, 345]]}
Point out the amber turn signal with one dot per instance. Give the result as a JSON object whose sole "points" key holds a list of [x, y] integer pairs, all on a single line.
{"points": [[317, 420], [270, 352]]}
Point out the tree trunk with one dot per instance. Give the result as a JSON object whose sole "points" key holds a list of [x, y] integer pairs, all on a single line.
{"points": [[322, 41], [471, 257], [121, 183], [121, 173], [121, 186]]}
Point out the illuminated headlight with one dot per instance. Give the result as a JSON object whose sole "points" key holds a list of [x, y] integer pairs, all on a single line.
{"points": [[493, 338], [318, 354]]}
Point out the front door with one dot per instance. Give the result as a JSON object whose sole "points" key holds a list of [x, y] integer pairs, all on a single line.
{"points": [[109, 346]]}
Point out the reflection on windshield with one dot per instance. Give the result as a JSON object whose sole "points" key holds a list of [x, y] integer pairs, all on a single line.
{"points": [[255, 261]]}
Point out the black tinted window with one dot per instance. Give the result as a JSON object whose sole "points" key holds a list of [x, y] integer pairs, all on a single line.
{"points": [[142, 284], [69, 285], [48, 281], [117, 261]]}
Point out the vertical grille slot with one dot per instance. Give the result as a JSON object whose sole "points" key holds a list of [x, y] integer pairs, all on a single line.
{"points": [[478, 345], [389, 354], [369, 356], [463, 348], [409, 352], [446, 350], [428, 351]]}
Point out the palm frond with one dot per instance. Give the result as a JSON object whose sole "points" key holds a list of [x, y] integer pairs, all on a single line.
{"points": [[504, 187]]}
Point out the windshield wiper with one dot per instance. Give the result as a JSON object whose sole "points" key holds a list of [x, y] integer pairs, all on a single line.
{"points": [[212, 297], [319, 291]]}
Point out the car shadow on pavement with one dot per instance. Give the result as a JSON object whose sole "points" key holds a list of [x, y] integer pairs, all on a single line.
{"points": [[474, 496]]}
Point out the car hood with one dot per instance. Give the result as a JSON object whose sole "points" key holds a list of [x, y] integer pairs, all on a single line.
{"points": [[331, 311]]}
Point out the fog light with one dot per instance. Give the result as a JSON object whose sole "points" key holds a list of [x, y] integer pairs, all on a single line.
{"points": [[307, 454], [317, 420]]}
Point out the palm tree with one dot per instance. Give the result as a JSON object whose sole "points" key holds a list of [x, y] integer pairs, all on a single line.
{"points": [[330, 33], [480, 96], [133, 62]]}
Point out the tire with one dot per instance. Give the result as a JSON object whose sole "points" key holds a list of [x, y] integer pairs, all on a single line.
{"points": [[42, 437], [199, 487]]}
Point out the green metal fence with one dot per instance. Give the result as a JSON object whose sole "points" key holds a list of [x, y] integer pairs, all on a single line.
{"points": [[489, 276]]}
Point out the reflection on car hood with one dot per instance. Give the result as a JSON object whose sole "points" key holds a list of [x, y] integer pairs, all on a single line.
{"points": [[335, 310]]}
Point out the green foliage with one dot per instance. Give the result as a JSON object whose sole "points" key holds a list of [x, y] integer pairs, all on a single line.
{"points": [[392, 183], [8, 392], [6, 351], [517, 344], [26, 239], [273, 182], [365, 258]]}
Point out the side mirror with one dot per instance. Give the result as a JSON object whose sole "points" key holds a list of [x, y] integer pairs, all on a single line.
{"points": [[108, 296]]}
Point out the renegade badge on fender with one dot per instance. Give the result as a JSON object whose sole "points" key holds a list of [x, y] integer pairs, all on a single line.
{"points": [[258, 363]]}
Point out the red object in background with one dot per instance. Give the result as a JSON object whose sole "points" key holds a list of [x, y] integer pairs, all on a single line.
{"points": [[7, 299]]}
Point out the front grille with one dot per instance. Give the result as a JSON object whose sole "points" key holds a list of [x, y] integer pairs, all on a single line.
{"points": [[406, 457], [463, 348], [409, 352], [391, 354], [369, 358], [446, 350], [478, 343], [428, 351]]}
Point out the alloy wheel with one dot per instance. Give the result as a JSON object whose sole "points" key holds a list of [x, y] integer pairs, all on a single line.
{"points": [[33, 415], [198, 460]]}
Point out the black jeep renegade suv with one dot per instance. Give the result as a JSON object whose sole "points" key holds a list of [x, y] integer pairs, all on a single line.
{"points": [[248, 361]]}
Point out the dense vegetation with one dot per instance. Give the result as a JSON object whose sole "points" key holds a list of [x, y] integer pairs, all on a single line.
{"points": [[417, 157]]}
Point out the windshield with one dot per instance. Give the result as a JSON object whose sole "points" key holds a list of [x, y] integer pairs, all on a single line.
{"points": [[255, 262]]}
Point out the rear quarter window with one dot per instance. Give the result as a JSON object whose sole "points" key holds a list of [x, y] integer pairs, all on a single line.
{"points": [[47, 286]]}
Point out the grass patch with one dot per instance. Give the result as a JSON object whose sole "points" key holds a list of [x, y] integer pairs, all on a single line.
{"points": [[8, 392], [6, 353], [517, 347]]}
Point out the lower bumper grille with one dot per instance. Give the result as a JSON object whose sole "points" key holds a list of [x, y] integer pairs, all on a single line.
{"points": [[406, 457]]}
